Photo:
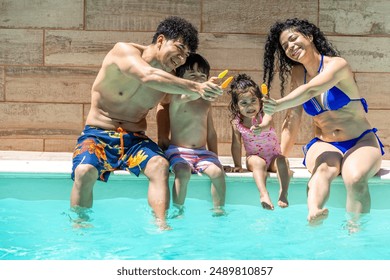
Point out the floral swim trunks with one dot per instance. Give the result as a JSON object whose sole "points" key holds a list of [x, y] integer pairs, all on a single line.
{"points": [[109, 150]]}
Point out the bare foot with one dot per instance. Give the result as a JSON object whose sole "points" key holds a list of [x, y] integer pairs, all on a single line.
{"points": [[266, 202], [218, 211], [266, 206], [77, 224], [83, 219], [283, 202], [178, 212], [316, 217], [162, 225]]}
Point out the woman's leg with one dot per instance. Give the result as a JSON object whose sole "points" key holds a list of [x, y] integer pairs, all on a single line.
{"points": [[324, 163], [360, 163]]}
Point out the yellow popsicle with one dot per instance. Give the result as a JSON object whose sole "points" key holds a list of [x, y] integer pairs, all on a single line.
{"points": [[226, 82], [264, 89], [222, 74]]}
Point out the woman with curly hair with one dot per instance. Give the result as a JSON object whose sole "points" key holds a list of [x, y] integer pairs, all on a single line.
{"points": [[323, 85]]}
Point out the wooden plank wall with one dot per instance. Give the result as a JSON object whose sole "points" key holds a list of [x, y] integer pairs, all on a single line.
{"points": [[50, 52]]}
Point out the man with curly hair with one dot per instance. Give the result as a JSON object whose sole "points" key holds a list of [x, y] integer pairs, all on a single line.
{"points": [[132, 80]]}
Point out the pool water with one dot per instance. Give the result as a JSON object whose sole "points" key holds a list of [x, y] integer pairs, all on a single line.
{"points": [[35, 223]]}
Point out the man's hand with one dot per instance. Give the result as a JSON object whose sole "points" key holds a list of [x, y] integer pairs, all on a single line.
{"points": [[210, 91]]}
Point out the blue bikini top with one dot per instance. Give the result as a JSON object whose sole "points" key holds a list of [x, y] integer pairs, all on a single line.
{"points": [[333, 99]]}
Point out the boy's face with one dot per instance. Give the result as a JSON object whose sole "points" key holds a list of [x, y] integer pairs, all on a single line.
{"points": [[195, 74]]}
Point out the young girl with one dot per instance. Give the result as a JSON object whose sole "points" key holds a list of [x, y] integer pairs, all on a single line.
{"points": [[260, 140]]}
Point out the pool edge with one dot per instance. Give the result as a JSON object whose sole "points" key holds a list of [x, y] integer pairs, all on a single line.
{"points": [[52, 162]]}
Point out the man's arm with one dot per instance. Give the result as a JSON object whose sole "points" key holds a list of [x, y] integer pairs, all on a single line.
{"points": [[128, 58]]}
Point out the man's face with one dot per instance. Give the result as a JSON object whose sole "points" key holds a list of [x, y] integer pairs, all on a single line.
{"points": [[174, 53]]}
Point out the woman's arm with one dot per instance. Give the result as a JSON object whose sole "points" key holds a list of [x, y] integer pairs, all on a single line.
{"points": [[336, 70]]}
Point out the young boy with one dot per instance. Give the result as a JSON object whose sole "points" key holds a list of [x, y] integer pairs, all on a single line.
{"points": [[191, 126]]}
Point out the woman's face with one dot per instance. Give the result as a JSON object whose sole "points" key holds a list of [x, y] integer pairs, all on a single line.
{"points": [[294, 44]]}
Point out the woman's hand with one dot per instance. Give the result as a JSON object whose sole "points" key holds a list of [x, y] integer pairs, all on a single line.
{"points": [[269, 105]]}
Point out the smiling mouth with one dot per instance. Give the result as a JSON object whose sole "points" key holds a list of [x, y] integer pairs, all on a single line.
{"points": [[174, 63], [295, 53]]}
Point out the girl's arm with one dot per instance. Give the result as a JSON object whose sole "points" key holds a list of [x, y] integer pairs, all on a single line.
{"points": [[236, 149], [265, 125], [266, 122]]}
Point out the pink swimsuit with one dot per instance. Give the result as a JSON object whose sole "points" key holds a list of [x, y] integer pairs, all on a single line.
{"points": [[265, 145]]}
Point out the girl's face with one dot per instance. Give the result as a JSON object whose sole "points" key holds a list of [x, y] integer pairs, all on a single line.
{"points": [[248, 104], [294, 44]]}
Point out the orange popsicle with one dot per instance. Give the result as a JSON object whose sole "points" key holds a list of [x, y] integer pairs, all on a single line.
{"points": [[226, 82], [264, 89]]}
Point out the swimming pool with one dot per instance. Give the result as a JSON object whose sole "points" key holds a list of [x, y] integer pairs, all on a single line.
{"points": [[35, 223]]}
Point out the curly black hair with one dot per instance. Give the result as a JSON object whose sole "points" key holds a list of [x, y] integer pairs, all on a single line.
{"points": [[273, 47], [203, 65], [242, 83], [174, 28]]}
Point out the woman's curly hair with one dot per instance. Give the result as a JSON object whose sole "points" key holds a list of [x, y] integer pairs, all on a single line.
{"points": [[273, 48], [242, 83]]}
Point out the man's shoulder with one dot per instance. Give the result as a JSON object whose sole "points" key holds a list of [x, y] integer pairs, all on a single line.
{"points": [[127, 48]]}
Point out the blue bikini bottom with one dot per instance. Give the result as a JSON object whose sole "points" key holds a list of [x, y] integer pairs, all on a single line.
{"points": [[343, 146]]}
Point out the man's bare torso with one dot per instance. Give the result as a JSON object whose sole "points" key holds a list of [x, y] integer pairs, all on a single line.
{"points": [[119, 100]]}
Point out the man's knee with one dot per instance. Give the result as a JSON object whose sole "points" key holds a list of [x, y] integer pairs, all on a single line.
{"points": [[157, 166], [158, 161], [86, 172]]}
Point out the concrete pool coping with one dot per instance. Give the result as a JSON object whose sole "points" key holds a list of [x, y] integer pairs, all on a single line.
{"points": [[60, 162]]}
